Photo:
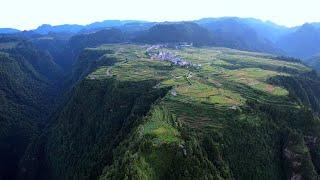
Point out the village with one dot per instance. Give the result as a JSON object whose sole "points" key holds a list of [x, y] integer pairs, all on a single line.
{"points": [[155, 53]]}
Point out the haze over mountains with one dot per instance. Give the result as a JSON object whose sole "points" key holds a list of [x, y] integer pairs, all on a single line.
{"points": [[215, 98], [239, 33]]}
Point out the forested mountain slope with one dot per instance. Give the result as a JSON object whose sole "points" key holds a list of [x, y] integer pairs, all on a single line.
{"points": [[264, 29], [238, 34], [302, 43], [151, 112], [314, 62], [176, 32], [58, 48], [167, 103], [28, 79]]}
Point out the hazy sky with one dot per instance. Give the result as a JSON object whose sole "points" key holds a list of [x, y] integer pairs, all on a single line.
{"points": [[28, 14]]}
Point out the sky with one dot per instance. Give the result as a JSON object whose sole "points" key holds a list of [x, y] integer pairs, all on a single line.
{"points": [[28, 14]]}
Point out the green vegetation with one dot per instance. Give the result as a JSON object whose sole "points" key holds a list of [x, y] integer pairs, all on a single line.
{"points": [[28, 87], [229, 115], [212, 101], [176, 32], [160, 126]]}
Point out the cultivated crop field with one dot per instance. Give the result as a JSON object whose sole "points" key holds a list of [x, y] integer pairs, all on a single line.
{"points": [[209, 96], [201, 97], [210, 83]]}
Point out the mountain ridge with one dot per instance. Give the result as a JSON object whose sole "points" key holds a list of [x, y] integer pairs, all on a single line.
{"points": [[269, 36], [212, 99], [173, 121]]}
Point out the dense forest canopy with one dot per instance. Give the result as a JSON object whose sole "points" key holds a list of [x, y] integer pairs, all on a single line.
{"points": [[215, 98]]}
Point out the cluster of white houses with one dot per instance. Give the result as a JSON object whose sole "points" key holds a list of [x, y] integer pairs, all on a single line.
{"points": [[156, 53], [168, 56]]}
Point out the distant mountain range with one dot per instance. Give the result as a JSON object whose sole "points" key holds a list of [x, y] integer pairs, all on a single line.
{"points": [[303, 42], [176, 32], [243, 34], [314, 62], [239, 33], [74, 28], [8, 31], [135, 100]]}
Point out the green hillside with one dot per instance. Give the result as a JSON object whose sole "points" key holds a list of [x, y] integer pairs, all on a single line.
{"points": [[27, 87], [176, 33], [314, 62], [216, 114]]}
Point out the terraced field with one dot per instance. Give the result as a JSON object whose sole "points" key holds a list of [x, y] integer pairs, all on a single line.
{"points": [[225, 80], [209, 99], [214, 82]]}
